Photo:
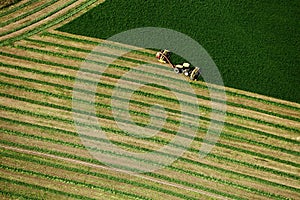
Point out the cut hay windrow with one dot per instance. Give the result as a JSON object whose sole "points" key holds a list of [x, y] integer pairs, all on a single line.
{"points": [[136, 70], [231, 160], [46, 189], [188, 114], [104, 74], [160, 141], [94, 174], [176, 122], [14, 195], [17, 8], [40, 18], [93, 161], [72, 182], [260, 121], [117, 143], [176, 112], [50, 23], [36, 9], [155, 188], [161, 177], [42, 151], [155, 140], [110, 190]]}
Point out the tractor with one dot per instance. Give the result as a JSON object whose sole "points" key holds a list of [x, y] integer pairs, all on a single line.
{"points": [[163, 56]]}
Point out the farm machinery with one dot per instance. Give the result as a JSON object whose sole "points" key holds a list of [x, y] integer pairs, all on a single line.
{"points": [[193, 73]]}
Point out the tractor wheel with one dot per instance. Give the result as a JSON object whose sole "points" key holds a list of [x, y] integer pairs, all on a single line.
{"points": [[176, 70]]}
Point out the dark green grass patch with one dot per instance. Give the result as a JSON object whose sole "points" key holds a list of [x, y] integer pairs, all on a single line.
{"points": [[254, 44]]}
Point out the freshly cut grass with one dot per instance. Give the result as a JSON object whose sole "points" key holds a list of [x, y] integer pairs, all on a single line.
{"points": [[161, 177], [51, 23], [95, 177], [35, 20], [20, 17], [16, 8]]}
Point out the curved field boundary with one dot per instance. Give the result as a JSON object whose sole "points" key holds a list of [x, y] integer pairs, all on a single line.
{"points": [[17, 7], [48, 22], [28, 24], [259, 121], [229, 91]]}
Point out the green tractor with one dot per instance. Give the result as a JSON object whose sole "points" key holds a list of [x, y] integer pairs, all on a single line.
{"points": [[193, 73]]}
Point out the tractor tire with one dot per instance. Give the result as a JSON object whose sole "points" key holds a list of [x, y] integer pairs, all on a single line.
{"points": [[177, 71]]}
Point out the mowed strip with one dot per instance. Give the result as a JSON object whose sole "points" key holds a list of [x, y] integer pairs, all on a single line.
{"points": [[54, 79], [104, 111], [259, 123], [18, 9], [163, 175], [101, 171], [79, 154], [84, 178], [58, 13], [45, 98], [32, 13]]}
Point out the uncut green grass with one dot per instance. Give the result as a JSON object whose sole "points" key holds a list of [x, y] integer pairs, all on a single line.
{"points": [[254, 44]]}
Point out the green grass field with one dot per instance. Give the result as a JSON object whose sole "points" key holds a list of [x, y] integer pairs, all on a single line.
{"points": [[254, 44]]}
